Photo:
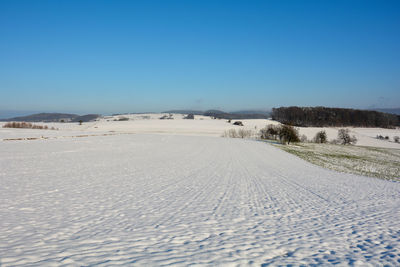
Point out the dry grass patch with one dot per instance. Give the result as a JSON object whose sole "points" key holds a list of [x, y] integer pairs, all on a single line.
{"points": [[368, 161]]}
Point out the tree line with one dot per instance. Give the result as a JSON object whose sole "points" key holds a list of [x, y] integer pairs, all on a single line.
{"points": [[334, 117]]}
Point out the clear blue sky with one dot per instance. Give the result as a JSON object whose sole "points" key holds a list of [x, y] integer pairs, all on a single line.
{"points": [[132, 56]]}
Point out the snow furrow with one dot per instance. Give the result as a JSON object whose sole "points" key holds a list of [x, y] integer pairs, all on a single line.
{"points": [[181, 200]]}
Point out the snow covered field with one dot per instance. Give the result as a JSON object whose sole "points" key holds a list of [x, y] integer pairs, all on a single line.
{"points": [[201, 126], [147, 199]]}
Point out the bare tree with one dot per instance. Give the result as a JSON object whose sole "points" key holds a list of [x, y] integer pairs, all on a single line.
{"points": [[345, 138]]}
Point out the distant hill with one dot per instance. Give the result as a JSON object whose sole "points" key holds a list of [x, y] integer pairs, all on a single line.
{"points": [[236, 115], [5, 114], [213, 111], [85, 118], [185, 111], [219, 114], [54, 117], [251, 111]]}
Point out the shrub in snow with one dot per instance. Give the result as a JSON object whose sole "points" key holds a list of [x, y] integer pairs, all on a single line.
{"points": [[167, 117], [231, 133], [238, 123], [242, 133], [344, 137], [321, 137], [189, 117], [26, 125], [396, 139], [287, 134], [269, 132]]}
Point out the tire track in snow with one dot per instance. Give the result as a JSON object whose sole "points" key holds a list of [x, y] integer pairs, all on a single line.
{"points": [[158, 200]]}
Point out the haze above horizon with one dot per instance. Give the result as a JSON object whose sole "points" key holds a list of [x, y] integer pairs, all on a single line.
{"points": [[134, 56]]}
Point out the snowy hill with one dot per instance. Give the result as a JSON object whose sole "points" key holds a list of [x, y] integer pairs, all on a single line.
{"points": [[54, 117]]}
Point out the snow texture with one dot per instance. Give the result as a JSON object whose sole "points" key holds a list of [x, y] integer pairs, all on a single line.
{"points": [[150, 200]]}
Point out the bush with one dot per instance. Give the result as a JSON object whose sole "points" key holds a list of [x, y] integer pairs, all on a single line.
{"points": [[303, 138], [287, 134], [321, 137], [242, 133], [238, 123], [396, 139], [26, 125], [189, 117], [167, 117], [231, 133], [269, 132], [344, 137]]}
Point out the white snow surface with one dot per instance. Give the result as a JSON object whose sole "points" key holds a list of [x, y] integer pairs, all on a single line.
{"points": [[200, 126], [152, 200]]}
